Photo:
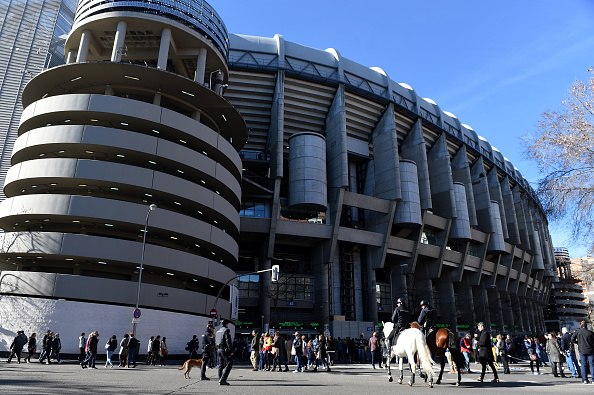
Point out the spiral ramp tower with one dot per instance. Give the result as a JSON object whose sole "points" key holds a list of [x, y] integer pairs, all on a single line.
{"points": [[136, 117]]}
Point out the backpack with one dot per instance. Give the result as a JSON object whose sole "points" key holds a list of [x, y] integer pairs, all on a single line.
{"points": [[188, 346]]}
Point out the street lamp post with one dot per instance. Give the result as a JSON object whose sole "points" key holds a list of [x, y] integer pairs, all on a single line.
{"points": [[152, 207]]}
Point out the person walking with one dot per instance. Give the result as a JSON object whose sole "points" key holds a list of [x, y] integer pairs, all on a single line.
{"points": [[91, 349], [553, 348], [49, 342], [375, 348], [530, 345], [149, 350], [156, 350], [164, 351], [208, 348], [132, 345], [124, 350], [82, 342], [321, 354], [43, 343], [16, 347], [56, 347], [31, 346], [298, 347], [485, 350], [110, 347], [585, 341], [224, 352], [568, 351], [254, 349]]}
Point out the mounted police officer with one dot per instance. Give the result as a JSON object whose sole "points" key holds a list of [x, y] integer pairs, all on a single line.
{"points": [[224, 352], [208, 347], [401, 319], [427, 317]]}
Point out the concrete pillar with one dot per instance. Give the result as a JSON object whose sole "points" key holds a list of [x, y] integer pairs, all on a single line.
{"points": [[466, 320], [71, 56], [414, 148], [386, 168], [218, 82], [440, 179], [163, 49], [517, 319], [201, 66], [157, 99], [321, 295], [408, 210], [118, 44], [196, 115], [357, 271], [447, 304], [371, 289], [83, 47], [479, 295], [335, 286], [264, 297], [495, 308]]}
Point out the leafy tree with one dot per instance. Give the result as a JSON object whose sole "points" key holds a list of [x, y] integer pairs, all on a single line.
{"points": [[563, 149]]}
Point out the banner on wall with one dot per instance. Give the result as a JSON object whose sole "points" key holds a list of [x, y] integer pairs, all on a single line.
{"points": [[234, 303]]}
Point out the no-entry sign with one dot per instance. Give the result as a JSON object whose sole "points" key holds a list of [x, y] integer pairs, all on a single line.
{"points": [[213, 313]]}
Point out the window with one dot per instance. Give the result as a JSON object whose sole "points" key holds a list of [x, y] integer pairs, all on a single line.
{"points": [[383, 295], [472, 251], [253, 209], [292, 288], [429, 238], [249, 286]]}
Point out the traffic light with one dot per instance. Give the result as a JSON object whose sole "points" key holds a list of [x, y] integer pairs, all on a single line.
{"points": [[275, 272]]}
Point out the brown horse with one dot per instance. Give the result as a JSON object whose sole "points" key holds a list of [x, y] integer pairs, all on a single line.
{"points": [[439, 341]]}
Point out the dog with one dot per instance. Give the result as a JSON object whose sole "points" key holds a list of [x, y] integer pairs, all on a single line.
{"points": [[189, 364]]}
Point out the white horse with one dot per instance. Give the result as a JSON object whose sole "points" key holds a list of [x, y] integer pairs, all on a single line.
{"points": [[410, 342]]}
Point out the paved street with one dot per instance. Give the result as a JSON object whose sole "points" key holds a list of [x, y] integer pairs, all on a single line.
{"points": [[69, 378]]}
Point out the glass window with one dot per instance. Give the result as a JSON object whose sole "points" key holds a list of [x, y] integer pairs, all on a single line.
{"points": [[292, 288], [383, 294], [472, 250], [429, 238], [249, 286]]}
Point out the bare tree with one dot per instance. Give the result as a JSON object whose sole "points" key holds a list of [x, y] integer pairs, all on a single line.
{"points": [[563, 149]]}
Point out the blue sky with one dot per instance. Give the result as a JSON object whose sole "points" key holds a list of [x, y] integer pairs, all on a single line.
{"points": [[496, 65]]}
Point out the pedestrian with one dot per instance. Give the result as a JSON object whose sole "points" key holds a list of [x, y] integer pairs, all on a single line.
{"points": [[321, 354], [82, 342], [465, 348], [530, 345], [298, 350], [502, 352], [156, 350], [485, 350], [267, 351], [225, 352], [553, 348], [149, 350], [511, 349], [56, 347], [192, 347], [208, 348], [374, 346], [164, 351], [568, 351], [585, 341], [361, 346], [31, 347], [132, 345], [475, 348], [254, 349], [43, 343], [91, 349], [16, 347], [124, 350], [110, 348], [49, 342]]}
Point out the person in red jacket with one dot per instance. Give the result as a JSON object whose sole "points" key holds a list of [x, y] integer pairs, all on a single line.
{"points": [[465, 347]]}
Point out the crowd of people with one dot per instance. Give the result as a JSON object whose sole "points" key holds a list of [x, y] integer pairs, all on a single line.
{"points": [[274, 351]]}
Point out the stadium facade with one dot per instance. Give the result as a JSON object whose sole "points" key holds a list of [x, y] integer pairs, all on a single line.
{"points": [[257, 151]]}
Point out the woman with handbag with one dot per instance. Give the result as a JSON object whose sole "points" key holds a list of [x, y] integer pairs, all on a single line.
{"points": [[110, 347], [530, 345], [164, 351], [502, 351]]}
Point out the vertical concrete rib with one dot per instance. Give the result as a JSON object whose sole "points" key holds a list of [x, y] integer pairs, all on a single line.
{"points": [[440, 179], [461, 174], [385, 157], [495, 194], [414, 148]]}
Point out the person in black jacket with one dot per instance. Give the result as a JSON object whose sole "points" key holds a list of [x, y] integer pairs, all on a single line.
{"points": [[208, 347], [401, 319], [427, 317], [485, 349], [298, 347], [224, 352], [568, 350], [585, 341], [132, 346], [91, 352], [254, 346], [17, 346], [48, 342], [31, 346], [111, 346]]}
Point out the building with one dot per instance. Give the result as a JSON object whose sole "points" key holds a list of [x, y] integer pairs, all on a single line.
{"points": [[567, 306], [135, 117], [583, 270], [360, 190]]}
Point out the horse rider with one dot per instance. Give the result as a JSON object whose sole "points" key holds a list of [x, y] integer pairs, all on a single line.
{"points": [[427, 317], [401, 319]]}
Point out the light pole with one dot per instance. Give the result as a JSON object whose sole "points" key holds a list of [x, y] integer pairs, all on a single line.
{"points": [[152, 207]]}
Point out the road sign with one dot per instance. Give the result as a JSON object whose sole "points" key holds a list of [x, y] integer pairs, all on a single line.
{"points": [[137, 313], [213, 313]]}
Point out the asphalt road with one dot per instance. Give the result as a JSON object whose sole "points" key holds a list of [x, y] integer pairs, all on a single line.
{"points": [[69, 378]]}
